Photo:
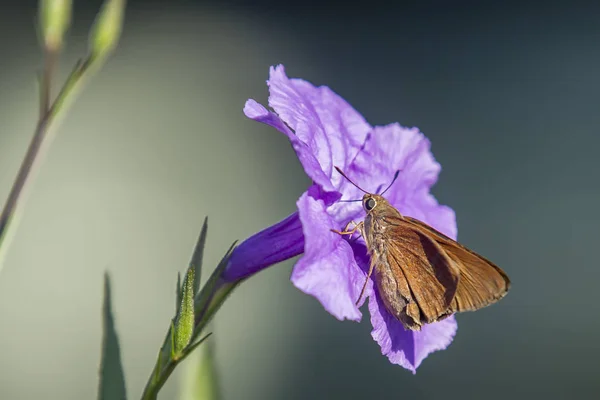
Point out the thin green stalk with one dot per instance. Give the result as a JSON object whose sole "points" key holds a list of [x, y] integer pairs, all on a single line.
{"points": [[43, 136]]}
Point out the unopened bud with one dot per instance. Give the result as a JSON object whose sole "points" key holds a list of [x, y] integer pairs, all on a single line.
{"points": [[55, 18], [107, 28]]}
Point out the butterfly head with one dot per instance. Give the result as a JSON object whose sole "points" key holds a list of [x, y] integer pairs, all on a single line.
{"points": [[373, 202]]}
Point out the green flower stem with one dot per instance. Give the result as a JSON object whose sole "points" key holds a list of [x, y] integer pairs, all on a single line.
{"points": [[207, 303], [43, 136]]}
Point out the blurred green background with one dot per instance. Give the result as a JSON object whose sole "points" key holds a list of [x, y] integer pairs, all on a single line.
{"points": [[508, 95]]}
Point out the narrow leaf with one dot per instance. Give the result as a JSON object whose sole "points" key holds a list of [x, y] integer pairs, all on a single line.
{"points": [[203, 301], [184, 326], [196, 261], [172, 334], [215, 276], [200, 380], [194, 346], [112, 377], [158, 368], [178, 294]]}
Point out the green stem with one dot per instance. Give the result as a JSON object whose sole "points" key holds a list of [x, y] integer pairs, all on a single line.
{"points": [[40, 142]]}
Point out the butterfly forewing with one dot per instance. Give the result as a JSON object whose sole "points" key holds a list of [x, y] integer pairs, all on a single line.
{"points": [[481, 282], [416, 279], [423, 276]]}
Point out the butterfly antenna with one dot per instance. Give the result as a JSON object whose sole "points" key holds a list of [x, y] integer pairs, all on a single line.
{"points": [[393, 180], [350, 180]]}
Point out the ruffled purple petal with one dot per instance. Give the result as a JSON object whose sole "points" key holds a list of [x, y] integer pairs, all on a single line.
{"points": [[391, 148], [404, 347], [321, 120], [328, 270], [275, 244], [305, 154]]}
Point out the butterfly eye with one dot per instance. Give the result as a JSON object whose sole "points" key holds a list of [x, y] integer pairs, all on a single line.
{"points": [[370, 204]]}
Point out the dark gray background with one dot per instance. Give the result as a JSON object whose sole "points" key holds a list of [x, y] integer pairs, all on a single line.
{"points": [[507, 93]]}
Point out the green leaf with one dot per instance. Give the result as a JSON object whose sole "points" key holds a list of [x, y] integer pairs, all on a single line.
{"points": [[200, 380], [112, 377], [159, 363], [206, 304], [194, 346], [214, 277], [211, 298], [196, 261], [178, 294], [184, 326], [172, 333]]}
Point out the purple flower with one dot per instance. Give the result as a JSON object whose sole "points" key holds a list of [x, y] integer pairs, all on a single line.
{"points": [[325, 131]]}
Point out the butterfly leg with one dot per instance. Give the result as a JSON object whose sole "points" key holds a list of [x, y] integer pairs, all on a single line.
{"points": [[345, 231], [362, 291], [357, 227]]}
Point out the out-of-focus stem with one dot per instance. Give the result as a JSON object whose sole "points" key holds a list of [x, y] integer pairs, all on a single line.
{"points": [[42, 137]]}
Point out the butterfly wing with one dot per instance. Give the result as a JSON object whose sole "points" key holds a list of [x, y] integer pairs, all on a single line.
{"points": [[481, 282], [416, 279]]}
